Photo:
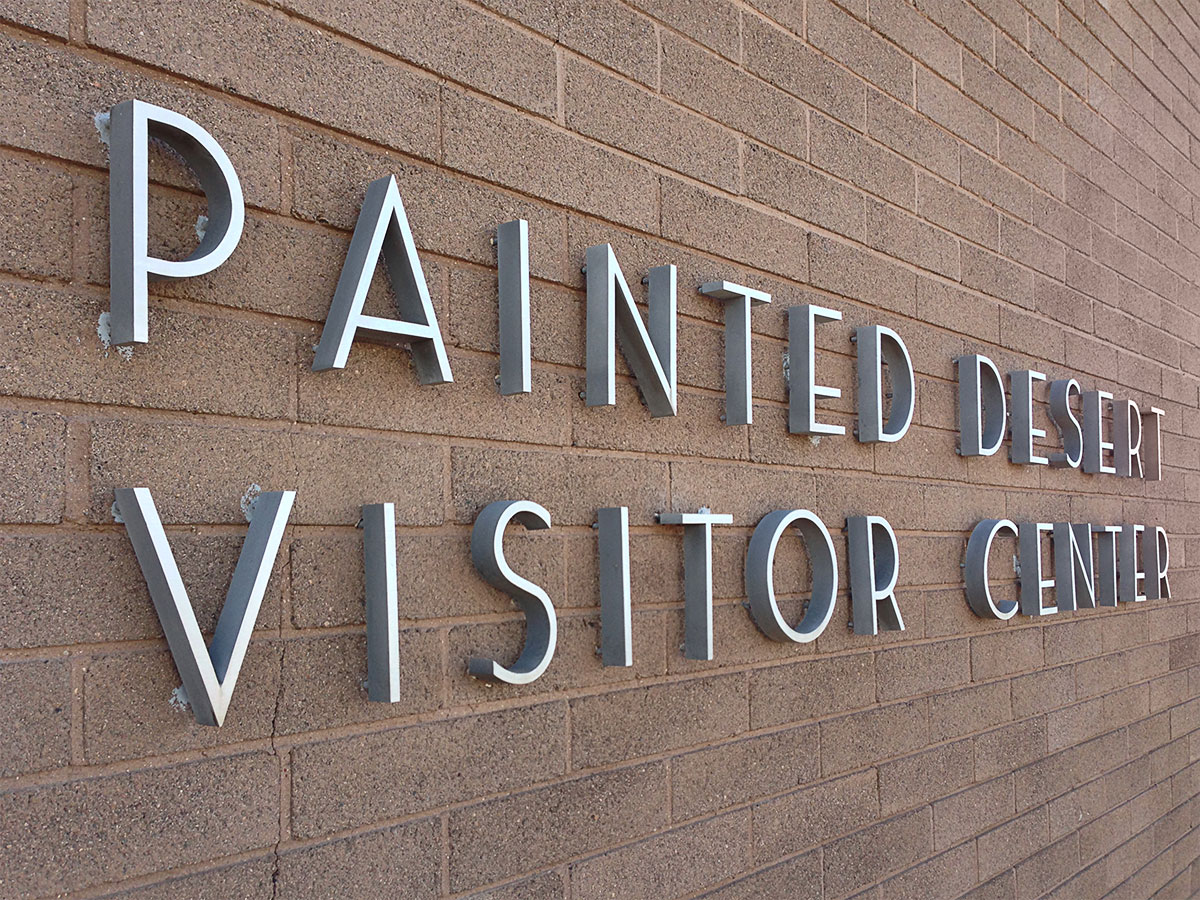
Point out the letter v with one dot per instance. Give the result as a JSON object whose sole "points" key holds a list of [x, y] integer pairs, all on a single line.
{"points": [[208, 673]]}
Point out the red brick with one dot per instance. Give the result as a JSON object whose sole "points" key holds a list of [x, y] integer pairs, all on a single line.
{"points": [[669, 864], [808, 817], [629, 117], [32, 448], [857, 739], [922, 777], [397, 772], [538, 828], [403, 861], [611, 727], [79, 833], [35, 701], [720, 90], [386, 103], [490, 142], [804, 690], [733, 772]]}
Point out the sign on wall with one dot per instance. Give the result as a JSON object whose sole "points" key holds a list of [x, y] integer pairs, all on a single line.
{"points": [[1094, 565]]}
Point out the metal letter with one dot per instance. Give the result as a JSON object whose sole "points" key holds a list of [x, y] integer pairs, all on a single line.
{"points": [[1032, 583], [208, 673], [878, 345], [1094, 444], [981, 406], [133, 124], [1153, 442], [760, 575], [803, 389], [382, 227], [979, 549], [1075, 583], [541, 623], [1106, 563], [512, 272], [1130, 569], [1156, 559], [1069, 433], [874, 563], [1127, 438], [739, 397], [1023, 431], [612, 314], [616, 625], [697, 577], [383, 617]]}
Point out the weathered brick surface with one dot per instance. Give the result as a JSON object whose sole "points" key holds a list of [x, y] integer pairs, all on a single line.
{"points": [[1018, 178]]}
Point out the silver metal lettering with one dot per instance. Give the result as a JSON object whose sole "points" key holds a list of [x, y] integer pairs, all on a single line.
{"points": [[739, 395], [541, 623], [208, 673], [133, 124], [382, 228], [760, 575], [697, 577], [612, 315], [873, 558]]}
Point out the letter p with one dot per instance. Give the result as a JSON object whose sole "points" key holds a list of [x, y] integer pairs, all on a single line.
{"points": [[131, 266]]}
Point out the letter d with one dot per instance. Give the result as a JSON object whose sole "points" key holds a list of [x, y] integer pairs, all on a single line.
{"points": [[133, 123]]}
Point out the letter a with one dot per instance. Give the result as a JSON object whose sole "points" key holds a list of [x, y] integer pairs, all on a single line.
{"points": [[208, 673], [383, 228]]}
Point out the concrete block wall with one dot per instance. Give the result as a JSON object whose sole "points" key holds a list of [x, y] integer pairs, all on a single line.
{"points": [[1016, 179]]}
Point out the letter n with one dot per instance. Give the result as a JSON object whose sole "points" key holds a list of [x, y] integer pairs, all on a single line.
{"points": [[612, 314]]}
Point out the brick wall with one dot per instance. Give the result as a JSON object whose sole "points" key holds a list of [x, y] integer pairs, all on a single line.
{"points": [[1017, 180]]}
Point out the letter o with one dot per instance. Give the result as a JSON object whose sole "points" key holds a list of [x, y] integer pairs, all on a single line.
{"points": [[760, 578]]}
